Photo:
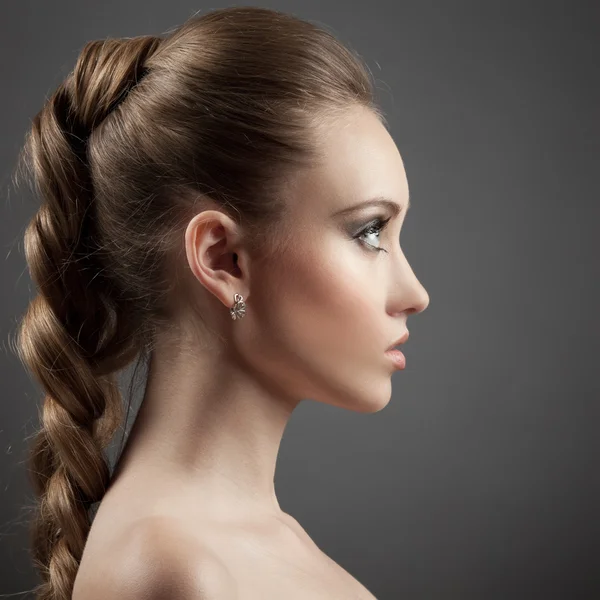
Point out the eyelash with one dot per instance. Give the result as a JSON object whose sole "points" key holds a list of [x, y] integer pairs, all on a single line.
{"points": [[376, 226]]}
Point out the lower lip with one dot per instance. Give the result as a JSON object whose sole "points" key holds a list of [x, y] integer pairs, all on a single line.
{"points": [[398, 358]]}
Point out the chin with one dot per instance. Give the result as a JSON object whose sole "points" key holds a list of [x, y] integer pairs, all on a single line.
{"points": [[373, 398]]}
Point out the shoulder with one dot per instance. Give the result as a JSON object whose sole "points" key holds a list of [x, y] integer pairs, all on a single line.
{"points": [[157, 559]]}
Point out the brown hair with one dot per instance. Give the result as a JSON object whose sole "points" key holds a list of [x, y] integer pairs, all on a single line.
{"points": [[139, 136]]}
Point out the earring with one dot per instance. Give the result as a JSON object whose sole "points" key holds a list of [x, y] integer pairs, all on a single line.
{"points": [[238, 310]]}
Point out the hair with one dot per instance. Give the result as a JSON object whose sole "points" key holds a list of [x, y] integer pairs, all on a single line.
{"points": [[139, 136]]}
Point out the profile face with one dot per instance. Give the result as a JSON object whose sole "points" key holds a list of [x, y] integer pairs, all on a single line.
{"points": [[328, 306]]}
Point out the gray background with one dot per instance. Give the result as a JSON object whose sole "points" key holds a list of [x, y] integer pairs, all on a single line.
{"points": [[480, 480]]}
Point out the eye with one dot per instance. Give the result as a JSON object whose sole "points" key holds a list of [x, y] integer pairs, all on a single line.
{"points": [[374, 228]]}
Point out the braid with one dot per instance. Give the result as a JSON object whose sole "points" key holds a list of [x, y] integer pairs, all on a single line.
{"points": [[73, 336]]}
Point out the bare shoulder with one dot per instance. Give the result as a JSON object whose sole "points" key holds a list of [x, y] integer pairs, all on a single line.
{"points": [[156, 559]]}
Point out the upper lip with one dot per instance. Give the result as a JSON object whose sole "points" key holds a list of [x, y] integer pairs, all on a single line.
{"points": [[400, 340]]}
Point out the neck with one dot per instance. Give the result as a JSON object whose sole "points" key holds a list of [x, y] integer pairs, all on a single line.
{"points": [[209, 427]]}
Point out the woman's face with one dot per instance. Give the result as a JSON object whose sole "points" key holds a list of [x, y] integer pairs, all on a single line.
{"points": [[326, 309]]}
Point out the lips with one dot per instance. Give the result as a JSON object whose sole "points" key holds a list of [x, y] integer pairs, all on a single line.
{"points": [[400, 340]]}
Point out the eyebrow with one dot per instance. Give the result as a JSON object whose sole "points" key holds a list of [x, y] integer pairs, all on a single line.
{"points": [[377, 201]]}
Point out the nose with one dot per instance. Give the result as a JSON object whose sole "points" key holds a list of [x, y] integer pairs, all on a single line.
{"points": [[423, 299], [410, 296]]}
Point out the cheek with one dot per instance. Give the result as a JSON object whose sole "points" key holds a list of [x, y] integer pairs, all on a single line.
{"points": [[325, 309]]}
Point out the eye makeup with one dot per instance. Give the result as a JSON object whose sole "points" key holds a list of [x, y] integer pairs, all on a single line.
{"points": [[374, 227]]}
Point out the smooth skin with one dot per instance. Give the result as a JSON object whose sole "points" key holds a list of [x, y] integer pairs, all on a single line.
{"points": [[319, 317]]}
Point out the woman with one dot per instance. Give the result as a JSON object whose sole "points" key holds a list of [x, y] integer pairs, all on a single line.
{"points": [[224, 202]]}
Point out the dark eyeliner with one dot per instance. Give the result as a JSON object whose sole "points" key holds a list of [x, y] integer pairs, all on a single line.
{"points": [[375, 226]]}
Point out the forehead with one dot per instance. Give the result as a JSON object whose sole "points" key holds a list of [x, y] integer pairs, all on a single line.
{"points": [[360, 161]]}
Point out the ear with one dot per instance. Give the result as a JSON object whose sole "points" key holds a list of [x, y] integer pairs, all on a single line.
{"points": [[215, 255]]}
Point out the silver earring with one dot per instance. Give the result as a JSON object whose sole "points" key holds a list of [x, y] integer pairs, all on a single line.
{"points": [[238, 310]]}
